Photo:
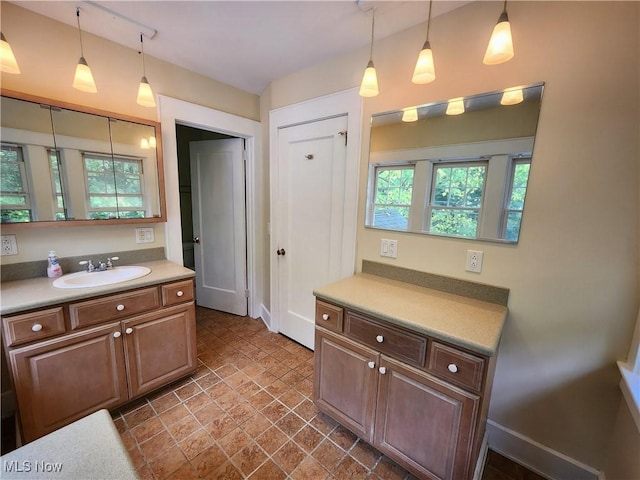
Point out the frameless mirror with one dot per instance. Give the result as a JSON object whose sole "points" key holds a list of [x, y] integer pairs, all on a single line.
{"points": [[458, 168], [73, 167]]}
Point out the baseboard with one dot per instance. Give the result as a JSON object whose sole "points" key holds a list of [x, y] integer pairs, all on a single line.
{"points": [[266, 316], [537, 457]]}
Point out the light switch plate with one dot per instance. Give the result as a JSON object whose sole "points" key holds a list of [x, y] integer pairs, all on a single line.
{"points": [[144, 235], [389, 248]]}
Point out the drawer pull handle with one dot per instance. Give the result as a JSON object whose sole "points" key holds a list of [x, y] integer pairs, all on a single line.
{"points": [[120, 307], [179, 293], [371, 364], [36, 327], [325, 316], [453, 368], [382, 370], [129, 331], [379, 339], [116, 334]]}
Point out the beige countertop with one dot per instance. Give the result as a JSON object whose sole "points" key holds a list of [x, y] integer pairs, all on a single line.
{"points": [[462, 321], [89, 448], [39, 292]]}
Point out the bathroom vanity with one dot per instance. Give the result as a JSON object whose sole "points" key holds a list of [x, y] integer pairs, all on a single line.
{"points": [[408, 369], [72, 352]]}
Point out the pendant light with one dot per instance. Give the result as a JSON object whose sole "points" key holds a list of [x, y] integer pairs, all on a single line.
{"points": [[512, 96], [83, 79], [7, 58], [425, 70], [410, 114], [369, 85], [145, 95], [500, 48], [455, 106]]}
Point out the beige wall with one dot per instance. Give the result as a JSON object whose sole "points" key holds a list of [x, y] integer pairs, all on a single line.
{"points": [[574, 275], [47, 52]]}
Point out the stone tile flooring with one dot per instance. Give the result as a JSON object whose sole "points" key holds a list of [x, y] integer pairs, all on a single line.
{"points": [[246, 413]]}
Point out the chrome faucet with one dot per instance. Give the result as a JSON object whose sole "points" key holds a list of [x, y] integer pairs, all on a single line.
{"points": [[101, 267]]}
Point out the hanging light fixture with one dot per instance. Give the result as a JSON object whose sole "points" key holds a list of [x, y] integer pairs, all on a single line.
{"points": [[410, 114], [144, 143], [425, 70], [369, 85], [145, 95], [152, 142], [512, 96], [83, 79], [7, 58], [500, 48], [455, 106]]}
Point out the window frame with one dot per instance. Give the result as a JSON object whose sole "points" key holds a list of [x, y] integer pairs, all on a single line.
{"points": [[374, 205], [115, 209], [514, 162], [63, 184], [26, 190]]}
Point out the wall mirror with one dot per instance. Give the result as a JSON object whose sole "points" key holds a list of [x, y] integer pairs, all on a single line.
{"points": [[458, 168], [67, 165]]}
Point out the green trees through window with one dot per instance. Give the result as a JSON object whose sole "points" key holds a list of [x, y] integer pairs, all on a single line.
{"points": [[394, 188]]}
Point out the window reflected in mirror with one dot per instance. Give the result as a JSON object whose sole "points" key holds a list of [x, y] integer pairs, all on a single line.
{"points": [[463, 176]]}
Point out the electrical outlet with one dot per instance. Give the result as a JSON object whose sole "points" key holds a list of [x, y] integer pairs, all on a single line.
{"points": [[389, 248], [9, 245], [144, 235], [474, 261]]}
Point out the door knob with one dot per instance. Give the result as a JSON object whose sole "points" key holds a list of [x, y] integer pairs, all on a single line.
{"points": [[281, 252], [196, 239]]}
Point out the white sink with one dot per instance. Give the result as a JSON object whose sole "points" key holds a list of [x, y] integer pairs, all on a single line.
{"points": [[99, 279]]}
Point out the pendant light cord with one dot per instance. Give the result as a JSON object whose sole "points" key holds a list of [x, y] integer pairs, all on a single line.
{"points": [[79, 31], [429, 19], [373, 24], [144, 70]]}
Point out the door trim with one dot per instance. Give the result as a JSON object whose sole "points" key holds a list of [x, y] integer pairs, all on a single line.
{"points": [[172, 111], [346, 102]]}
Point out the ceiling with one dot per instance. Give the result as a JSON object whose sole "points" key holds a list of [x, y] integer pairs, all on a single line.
{"points": [[247, 44]]}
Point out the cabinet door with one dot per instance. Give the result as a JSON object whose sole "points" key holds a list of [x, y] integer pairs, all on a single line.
{"points": [[160, 347], [424, 423], [345, 383], [59, 381]]}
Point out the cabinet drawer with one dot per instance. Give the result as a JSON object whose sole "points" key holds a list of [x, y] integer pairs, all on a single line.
{"points": [[458, 367], [329, 316], [178, 292], [113, 307], [33, 326], [394, 342]]}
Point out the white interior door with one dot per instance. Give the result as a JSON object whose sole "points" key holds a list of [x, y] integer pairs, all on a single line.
{"points": [[311, 199], [218, 197]]}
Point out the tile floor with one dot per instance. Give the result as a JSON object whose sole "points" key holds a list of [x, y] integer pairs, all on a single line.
{"points": [[246, 413]]}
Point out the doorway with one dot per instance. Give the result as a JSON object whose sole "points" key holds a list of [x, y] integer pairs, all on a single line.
{"points": [[212, 206]]}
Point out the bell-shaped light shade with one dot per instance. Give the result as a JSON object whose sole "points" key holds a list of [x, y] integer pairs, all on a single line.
{"points": [[83, 79], [144, 143], [455, 106], [152, 142], [425, 70], [7, 58], [512, 97], [500, 48], [369, 85], [410, 115], [145, 95]]}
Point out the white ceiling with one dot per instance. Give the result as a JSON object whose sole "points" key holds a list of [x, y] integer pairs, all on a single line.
{"points": [[246, 44]]}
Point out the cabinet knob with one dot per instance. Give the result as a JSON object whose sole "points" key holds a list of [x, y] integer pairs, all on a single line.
{"points": [[116, 334], [453, 368], [120, 307], [179, 293], [382, 370], [36, 327], [371, 364], [379, 339], [325, 316], [129, 331]]}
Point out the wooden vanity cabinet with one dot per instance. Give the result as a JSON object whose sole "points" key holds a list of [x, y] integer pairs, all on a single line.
{"points": [[103, 356], [395, 396]]}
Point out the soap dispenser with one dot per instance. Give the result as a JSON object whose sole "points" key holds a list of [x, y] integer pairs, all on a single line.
{"points": [[53, 266]]}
